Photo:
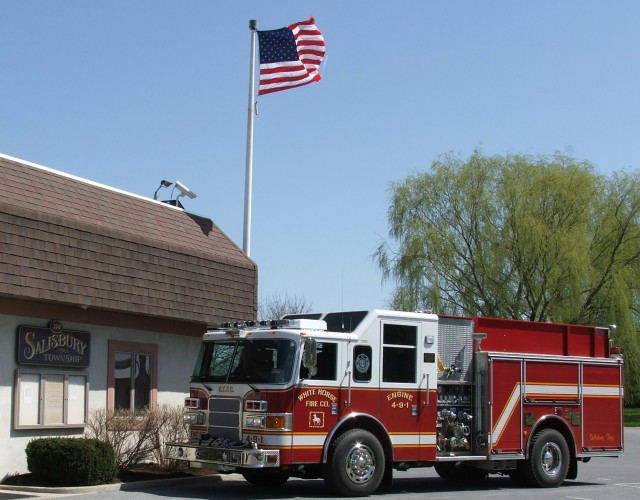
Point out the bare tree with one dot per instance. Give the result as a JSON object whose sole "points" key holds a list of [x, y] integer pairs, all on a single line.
{"points": [[275, 306]]}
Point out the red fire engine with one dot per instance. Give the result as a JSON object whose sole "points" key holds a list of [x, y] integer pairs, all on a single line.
{"points": [[350, 396]]}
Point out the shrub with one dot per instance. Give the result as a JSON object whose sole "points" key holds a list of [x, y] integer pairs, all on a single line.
{"points": [[128, 432], [139, 436], [169, 427], [71, 461]]}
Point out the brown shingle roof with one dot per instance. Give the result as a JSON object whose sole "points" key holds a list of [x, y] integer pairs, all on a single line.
{"points": [[65, 239]]}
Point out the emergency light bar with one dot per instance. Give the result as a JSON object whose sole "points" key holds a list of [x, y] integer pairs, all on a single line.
{"points": [[299, 324], [307, 324]]}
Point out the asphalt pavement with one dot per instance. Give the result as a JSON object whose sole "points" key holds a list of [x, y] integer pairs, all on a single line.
{"points": [[602, 478]]}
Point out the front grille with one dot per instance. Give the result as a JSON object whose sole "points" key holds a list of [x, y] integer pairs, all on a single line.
{"points": [[224, 418]]}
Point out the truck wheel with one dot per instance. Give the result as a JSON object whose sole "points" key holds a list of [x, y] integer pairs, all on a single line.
{"points": [[356, 464], [549, 461], [266, 478]]}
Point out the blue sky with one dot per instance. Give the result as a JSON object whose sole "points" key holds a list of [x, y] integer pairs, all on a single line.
{"points": [[128, 93]]}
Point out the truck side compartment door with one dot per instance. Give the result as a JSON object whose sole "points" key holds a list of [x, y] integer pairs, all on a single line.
{"points": [[505, 405], [602, 407]]}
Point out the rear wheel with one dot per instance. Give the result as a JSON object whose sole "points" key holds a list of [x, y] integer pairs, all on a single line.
{"points": [[266, 478], [549, 461], [356, 464]]}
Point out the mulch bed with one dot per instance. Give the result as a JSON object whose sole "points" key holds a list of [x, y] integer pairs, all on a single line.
{"points": [[145, 472], [141, 472]]}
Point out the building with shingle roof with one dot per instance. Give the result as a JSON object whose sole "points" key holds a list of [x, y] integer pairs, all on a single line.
{"points": [[138, 278]]}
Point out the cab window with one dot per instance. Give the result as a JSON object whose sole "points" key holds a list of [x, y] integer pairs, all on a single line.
{"points": [[362, 362], [327, 362], [399, 347]]}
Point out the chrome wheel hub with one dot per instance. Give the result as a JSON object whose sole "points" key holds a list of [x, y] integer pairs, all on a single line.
{"points": [[551, 459], [360, 463]]}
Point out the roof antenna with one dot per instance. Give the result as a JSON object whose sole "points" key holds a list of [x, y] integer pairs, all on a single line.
{"points": [[342, 295]]}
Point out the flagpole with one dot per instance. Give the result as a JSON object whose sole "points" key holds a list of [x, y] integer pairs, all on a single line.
{"points": [[248, 180]]}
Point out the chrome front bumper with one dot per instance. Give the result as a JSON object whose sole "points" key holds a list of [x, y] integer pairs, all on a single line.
{"points": [[244, 456]]}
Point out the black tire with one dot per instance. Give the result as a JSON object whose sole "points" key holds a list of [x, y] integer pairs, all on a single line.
{"points": [[356, 464], [548, 463], [460, 472], [265, 478]]}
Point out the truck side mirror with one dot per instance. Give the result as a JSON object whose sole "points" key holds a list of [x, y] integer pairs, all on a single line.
{"points": [[310, 356]]}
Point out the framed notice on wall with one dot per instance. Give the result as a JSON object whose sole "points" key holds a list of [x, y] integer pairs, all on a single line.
{"points": [[47, 399]]}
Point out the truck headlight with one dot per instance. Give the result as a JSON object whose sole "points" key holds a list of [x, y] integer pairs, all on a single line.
{"points": [[254, 421]]}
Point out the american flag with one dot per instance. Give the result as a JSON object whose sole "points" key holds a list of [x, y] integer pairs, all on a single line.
{"points": [[290, 57]]}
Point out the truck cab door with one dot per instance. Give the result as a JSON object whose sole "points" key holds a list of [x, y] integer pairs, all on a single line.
{"points": [[316, 400]]}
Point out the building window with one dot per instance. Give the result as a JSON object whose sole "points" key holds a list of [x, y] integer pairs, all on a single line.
{"points": [[133, 374], [399, 348]]}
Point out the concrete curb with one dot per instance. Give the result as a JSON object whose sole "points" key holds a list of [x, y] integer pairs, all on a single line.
{"points": [[130, 486]]}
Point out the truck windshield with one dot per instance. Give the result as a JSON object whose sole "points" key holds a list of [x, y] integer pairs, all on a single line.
{"points": [[249, 361]]}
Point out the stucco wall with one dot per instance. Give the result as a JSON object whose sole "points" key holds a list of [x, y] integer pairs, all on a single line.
{"points": [[176, 356]]}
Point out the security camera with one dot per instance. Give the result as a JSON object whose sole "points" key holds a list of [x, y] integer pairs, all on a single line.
{"points": [[185, 190]]}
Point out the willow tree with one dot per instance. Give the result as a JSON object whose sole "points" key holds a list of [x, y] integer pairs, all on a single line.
{"points": [[544, 239]]}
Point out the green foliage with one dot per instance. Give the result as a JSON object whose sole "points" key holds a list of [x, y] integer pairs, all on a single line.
{"points": [[71, 461], [543, 239], [632, 417]]}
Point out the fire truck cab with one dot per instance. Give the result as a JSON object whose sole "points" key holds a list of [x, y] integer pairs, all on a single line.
{"points": [[350, 396]]}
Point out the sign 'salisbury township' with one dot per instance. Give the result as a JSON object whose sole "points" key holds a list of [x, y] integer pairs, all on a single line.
{"points": [[53, 347]]}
